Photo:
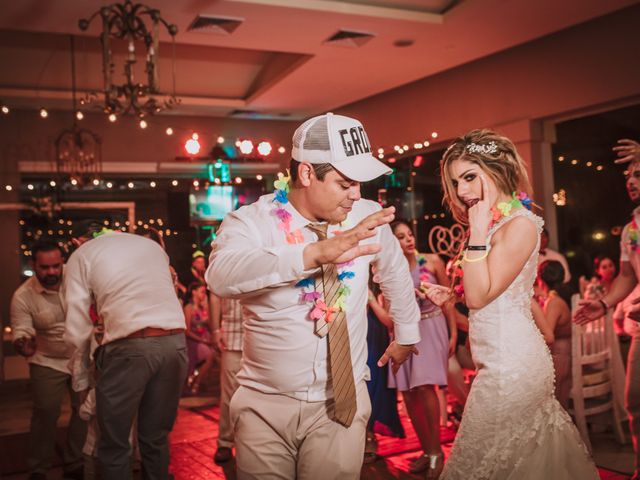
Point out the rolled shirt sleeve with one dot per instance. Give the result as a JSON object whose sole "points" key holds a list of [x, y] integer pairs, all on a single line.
{"points": [[21, 319]]}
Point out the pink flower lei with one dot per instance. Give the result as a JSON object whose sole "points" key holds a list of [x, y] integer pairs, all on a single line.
{"points": [[309, 292]]}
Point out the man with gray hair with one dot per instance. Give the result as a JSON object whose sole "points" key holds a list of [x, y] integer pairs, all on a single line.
{"points": [[299, 261]]}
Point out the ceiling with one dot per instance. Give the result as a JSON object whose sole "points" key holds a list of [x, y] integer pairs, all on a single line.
{"points": [[276, 63]]}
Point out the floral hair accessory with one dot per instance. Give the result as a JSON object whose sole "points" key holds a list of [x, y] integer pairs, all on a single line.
{"points": [[483, 148]]}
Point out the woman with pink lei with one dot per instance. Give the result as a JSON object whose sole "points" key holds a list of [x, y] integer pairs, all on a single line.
{"points": [[512, 427]]}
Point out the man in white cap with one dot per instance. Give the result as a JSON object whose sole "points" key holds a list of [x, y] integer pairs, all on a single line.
{"points": [[299, 261]]}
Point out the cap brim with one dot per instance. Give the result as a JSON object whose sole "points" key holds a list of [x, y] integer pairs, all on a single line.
{"points": [[362, 170]]}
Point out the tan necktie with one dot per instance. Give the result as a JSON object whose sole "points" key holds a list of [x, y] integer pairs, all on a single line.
{"points": [[339, 354]]}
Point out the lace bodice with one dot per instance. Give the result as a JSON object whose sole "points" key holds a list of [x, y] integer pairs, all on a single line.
{"points": [[519, 293]]}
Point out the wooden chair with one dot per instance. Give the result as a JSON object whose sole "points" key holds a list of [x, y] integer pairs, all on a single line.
{"points": [[597, 386]]}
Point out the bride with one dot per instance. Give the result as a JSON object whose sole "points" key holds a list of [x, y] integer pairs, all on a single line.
{"points": [[512, 427]]}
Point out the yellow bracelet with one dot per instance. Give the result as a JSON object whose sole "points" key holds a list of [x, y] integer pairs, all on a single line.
{"points": [[471, 260]]}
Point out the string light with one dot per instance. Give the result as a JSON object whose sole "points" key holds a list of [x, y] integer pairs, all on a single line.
{"points": [[238, 180], [143, 124], [112, 117], [281, 149], [44, 113], [192, 146], [30, 187], [434, 134], [264, 148], [152, 184], [5, 109], [174, 183], [246, 147], [258, 177], [79, 115], [109, 184], [52, 183], [130, 184], [96, 182], [169, 131], [74, 182], [220, 139], [8, 188]]}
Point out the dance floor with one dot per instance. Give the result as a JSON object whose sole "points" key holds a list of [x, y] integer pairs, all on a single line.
{"points": [[193, 446]]}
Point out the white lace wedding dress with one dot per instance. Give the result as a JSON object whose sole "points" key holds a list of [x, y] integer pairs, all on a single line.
{"points": [[513, 427]]}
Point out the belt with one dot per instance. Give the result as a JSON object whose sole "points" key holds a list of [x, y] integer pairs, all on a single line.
{"points": [[154, 332], [431, 314]]}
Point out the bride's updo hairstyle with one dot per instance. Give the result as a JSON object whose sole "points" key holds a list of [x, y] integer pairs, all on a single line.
{"points": [[497, 158]]}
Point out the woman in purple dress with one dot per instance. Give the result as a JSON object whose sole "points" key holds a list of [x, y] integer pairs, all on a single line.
{"points": [[419, 375]]}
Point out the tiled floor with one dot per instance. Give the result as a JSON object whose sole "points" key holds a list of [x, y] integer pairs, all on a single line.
{"points": [[193, 443]]}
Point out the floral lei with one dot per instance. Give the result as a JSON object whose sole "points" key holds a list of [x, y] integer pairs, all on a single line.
{"points": [[632, 233], [501, 210], [309, 292]]}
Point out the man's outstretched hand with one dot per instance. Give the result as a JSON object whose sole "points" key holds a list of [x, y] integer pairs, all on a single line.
{"points": [[346, 246], [627, 150]]}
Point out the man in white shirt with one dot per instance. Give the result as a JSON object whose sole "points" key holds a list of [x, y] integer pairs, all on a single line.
{"points": [[227, 319], [622, 286], [37, 323], [142, 362], [547, 253], [299, 261]]}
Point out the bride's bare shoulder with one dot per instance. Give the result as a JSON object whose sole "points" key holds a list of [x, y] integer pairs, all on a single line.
{"points": [[522, 228]]}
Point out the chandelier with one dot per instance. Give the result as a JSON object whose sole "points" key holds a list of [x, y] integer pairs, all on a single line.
{"points": [[131, 23], [78, 150]]}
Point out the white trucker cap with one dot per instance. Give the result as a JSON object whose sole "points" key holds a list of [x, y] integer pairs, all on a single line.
{"points": [[340, 141]]}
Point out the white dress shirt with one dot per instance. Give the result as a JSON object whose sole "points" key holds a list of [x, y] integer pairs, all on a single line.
{"points": [[128, 278], [37, 312], [252, 261]]}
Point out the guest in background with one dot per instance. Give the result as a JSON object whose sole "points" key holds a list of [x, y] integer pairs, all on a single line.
{"points": [[198, 267], [227, 321], [547, 253], [198, 332], [557, 312], [419, 377], [384, 417], [603, 275], [37, 321]]}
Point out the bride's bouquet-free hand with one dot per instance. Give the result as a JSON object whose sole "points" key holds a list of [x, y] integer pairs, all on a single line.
{"points": [[438, 294]]}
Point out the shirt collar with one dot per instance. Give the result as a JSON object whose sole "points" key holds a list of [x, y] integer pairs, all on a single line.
{"points": [[298, 221], [39, 288]]}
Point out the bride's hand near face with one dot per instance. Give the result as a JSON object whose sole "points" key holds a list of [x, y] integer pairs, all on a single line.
{"points": [[480, 216]]}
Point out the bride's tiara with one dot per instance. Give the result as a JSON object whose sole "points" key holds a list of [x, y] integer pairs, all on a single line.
{"points": [[483, 148]]}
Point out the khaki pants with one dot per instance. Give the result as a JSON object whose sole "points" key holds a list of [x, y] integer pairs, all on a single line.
{"points": [[279, 437], [632, 393], [49, 388], [231, 362]]}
